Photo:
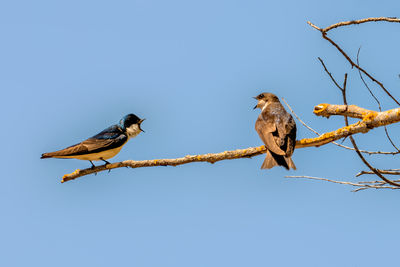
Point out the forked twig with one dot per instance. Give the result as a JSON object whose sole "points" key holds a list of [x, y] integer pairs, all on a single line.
{"points": [[352, 63]]}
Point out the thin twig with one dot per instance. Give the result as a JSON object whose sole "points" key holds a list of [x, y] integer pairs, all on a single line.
{"points": [[376, 171], [360, 185], [330, 74], [389, 172], [300, 120], [324, 35], [352, 22], [343, 91], [365, 83], [373, 169], [377, 101], [314, 26]]}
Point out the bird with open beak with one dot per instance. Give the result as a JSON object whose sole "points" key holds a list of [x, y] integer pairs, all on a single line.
{"points": [[277, 130], [103, 145]]}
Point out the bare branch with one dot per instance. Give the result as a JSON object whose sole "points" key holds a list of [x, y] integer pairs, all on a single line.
{"points": [[335, 143], [389, 172], [343, 90], [298, 118], [330, 75], [376, 171], [377, 101], [314, 26], [365, 83], [211, 158], [370, 119], [353, 22], [352, 111], [356, 112], [361, 186], [324, 35]]}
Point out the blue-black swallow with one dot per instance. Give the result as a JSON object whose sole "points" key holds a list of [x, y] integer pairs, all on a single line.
{"points": [[277, 129], [103, 145]]}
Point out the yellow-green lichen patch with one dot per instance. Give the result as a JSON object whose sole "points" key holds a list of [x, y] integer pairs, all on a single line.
{"points": [[370, 116], [342, 130], [326, 137], [74, 173], [70, 174], [260, 148], [302, 142], [307, 141]]}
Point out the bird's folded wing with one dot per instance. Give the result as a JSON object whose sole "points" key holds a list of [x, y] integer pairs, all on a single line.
{"points": [[91, 145], [113, 131], [96, 145], [291, 143], [287, 131], [265, 130]]}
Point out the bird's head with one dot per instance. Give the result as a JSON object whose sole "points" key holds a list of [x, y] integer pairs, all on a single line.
{"points": [[265, 98], [131, 124]]}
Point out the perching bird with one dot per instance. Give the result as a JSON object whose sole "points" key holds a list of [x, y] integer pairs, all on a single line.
{"points": [[277, 129], [103, 145]]}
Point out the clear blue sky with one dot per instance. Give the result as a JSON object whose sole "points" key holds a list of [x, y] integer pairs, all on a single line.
{"points": [[71, 68]]}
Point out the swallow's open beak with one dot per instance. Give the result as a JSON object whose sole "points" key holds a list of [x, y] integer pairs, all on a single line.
{"points": [[140, 122], [255, 99]]}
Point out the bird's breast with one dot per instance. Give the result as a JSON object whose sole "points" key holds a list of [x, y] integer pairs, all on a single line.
{"points": [[133, 131]]}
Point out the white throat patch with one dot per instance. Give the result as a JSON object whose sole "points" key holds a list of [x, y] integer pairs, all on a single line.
{"points": [[133, 131]]}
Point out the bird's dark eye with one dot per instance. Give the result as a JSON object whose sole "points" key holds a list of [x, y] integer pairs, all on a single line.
{"points": [[261, 96]]}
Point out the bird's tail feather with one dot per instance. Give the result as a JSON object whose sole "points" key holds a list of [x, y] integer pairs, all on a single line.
{"points": [[272, 160], [290, 163], [45, 155], [60, 153]]}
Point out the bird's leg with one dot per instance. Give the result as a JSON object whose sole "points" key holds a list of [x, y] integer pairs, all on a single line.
{"points": [[92, 164], [106, 163], [93, 167]]}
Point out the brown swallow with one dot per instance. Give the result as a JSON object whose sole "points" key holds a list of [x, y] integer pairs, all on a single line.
{"points": [[277, 129]]}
